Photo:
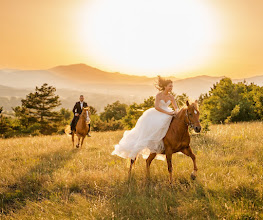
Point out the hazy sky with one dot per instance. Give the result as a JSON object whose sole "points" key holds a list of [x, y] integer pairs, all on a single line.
{"points": [[144, 37]]}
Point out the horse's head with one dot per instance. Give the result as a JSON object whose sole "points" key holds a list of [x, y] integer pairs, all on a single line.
{"points": [[192, 115], [85, 114]]}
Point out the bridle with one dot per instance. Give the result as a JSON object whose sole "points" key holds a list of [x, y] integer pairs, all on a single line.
{"points": [[189, 121], [85, 116]]}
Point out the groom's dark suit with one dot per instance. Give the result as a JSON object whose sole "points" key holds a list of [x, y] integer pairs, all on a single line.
{"points": [[77, 109]]}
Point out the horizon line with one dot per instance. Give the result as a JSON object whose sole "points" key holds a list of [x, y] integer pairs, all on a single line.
{"points": [[136, 75]]}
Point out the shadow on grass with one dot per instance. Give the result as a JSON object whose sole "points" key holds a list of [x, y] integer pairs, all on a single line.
{"points": [[31, 185], [153, 199]]}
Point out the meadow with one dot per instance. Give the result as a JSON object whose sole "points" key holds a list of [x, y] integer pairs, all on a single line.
{"points": [[46, 178]]}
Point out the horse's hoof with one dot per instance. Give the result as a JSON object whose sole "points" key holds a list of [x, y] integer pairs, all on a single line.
{"points": [[77, 146], [193, 176]]}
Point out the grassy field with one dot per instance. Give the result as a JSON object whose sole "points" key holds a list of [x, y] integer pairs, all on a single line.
{"points": [[45, 178]]}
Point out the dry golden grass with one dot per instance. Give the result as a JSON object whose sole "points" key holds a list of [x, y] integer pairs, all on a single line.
{"points": [[45, 178]]}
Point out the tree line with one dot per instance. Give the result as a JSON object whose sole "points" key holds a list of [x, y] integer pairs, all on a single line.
{"points": [[38, 114], [232, 102]]}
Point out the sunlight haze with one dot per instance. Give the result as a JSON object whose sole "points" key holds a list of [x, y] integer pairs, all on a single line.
{"points": [[139, 37]]}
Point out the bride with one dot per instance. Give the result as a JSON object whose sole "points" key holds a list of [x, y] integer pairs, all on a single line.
{"points": [[146, 137]]}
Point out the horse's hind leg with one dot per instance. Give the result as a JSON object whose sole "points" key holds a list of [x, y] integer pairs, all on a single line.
{"points": [[170, 166], [188, 151], [148, 163], [132, 162]]}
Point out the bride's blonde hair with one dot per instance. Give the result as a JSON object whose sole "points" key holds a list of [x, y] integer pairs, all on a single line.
{"points": [[162, 83]]}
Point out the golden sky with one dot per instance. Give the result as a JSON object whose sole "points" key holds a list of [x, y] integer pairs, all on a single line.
{"points": [[143, 37]]}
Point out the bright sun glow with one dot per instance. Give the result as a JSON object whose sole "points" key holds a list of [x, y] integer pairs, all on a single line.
{"points": [[146, 36]]}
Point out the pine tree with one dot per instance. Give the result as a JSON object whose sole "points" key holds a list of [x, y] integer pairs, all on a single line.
{"points": [[39, 107]]}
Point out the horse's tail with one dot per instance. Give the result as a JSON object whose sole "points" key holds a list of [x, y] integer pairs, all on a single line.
{"points": [[67, 130]]}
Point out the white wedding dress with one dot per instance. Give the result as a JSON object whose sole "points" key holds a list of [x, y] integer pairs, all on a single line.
{"points": [[146, 137]]}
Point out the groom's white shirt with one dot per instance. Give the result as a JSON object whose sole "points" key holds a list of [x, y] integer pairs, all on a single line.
{"points": [[81, 106]]}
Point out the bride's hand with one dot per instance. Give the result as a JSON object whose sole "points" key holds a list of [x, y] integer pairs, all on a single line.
{"points": [[172, 113]]}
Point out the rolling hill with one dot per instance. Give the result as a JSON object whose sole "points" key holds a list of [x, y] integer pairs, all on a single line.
{"points": [[99, 87]]}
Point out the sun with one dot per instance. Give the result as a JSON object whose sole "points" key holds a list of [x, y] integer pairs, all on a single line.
{"points": [[146, 36]]}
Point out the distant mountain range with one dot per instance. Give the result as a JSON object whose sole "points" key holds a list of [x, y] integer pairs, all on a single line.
{"points": [[99, 87], [84, 73]]}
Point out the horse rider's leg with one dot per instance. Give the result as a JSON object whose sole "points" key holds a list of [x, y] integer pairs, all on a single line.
{"points": [[169, 163], [74, 123], [132, 162], [72, 136], [148, 163], [188, 151], [88, 131]]}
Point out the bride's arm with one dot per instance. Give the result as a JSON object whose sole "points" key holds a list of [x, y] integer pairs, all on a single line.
{"points": [[157, 106], [175, 106]]}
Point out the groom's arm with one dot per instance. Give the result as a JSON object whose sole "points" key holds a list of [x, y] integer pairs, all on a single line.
{"points": [[74, 108]]}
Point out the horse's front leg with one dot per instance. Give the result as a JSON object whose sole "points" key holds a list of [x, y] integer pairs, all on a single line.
{"points": [[188, 151], [77, 146], [82, 140], [169, 163]]}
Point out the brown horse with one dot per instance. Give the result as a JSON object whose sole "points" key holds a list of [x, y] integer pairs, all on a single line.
{"points": [[82, 127], [177, 138]]}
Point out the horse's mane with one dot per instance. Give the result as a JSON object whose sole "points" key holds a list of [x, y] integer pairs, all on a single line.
{"points": [[178, 115]]}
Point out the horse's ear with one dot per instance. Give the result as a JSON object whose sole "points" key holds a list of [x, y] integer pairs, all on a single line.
{"points": [[196, 103], [187, 103]]}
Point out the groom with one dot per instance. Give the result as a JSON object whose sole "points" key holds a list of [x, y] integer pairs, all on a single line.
{"points": [[77, 111]]}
